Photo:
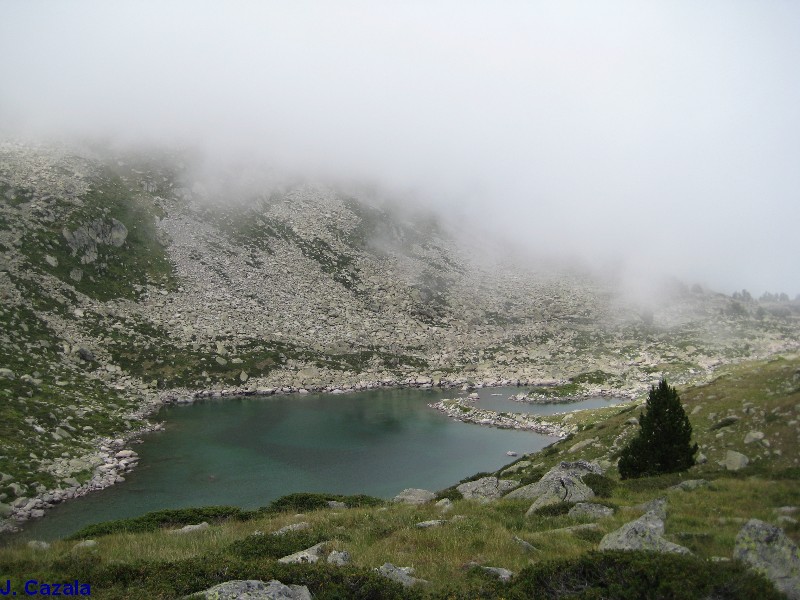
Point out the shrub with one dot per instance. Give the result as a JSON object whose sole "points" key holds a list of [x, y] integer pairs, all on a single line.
{"points": [[303, 502], [634, 575], [663, 444], [154, 521]]}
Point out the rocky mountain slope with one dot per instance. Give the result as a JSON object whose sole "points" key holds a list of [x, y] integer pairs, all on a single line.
{"points": [[125, 283]]}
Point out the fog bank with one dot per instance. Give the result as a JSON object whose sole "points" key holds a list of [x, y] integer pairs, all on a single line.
{"points": [[656, 138]]}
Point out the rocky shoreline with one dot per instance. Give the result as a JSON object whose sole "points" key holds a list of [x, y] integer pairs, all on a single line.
{"points": [[114, 458]]}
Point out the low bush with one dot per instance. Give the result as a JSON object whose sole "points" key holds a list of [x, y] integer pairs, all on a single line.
{"points": [[637, 575], [303, 502], [154, 521]]}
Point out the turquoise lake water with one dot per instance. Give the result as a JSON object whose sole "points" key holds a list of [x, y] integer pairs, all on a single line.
{"points": [[249, 451]]}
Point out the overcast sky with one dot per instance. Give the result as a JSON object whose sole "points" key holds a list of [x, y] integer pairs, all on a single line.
{"points": [[662, 136]]}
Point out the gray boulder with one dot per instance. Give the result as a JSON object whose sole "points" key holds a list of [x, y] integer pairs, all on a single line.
{"points": [[293, 527], [309, 555], [414, 496], [432, 523], [735, 461], [645, 533], [590, 510], [690, 485], [256, 590], [564, 489], [402, 575], [339, 558], [486, 489], [499, 572], [566, 472], [769, 550], [190, 528]]}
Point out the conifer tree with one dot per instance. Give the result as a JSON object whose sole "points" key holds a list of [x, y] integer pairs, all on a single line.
{"points": [[664, 443]]}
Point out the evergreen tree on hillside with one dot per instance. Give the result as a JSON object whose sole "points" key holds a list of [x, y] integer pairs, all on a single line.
{"points": [[664, 443]]}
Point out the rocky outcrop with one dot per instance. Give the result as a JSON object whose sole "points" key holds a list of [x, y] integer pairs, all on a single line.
{"points": [[486, 489], [256, 590], [768, 550], [402, 575], [562, 483], [309, 555], [645, 533]]}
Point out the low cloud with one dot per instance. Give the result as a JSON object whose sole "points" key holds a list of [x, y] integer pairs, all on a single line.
{"points": [[657, 138]]}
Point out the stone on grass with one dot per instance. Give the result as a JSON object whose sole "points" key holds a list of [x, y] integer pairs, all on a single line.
{"points": [[735, 461], [190, 528], [769, 550], [402, 575], [690, 485], [256, 590], [486, 489], [444, 505], [566, 472], [38, 545], [590, 510], [432, 523], [339, 558], [499, 572], [415, 496], [753, 436], [293, 527], [307, 556], [85, 544], [645, 533]]}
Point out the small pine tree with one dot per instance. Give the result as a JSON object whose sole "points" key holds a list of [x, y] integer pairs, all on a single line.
{"points": [[664, 443]]}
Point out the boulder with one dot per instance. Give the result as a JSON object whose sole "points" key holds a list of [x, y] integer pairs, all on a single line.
{"points": [[645, 533], [769, 550], [190, 528], [690, 485], [564, 472], [402, 575], [309, 555], [486, 489], [256, 590], [753, 436], [590, 510], [564, 489], [85, 544], [293, 527], [432, 523], [38, 545], [444, 505], [339, 558], [414, 496], [499, 572], [734, 461]]}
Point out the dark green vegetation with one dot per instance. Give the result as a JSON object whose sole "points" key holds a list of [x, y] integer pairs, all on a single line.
{"points": [[664, 443], [161, 519]]}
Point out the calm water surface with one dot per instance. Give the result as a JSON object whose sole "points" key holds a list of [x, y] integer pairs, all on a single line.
{"points": [[249, 451]]}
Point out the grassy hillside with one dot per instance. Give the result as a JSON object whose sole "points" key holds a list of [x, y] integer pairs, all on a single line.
{"points": [[142, 560]]}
